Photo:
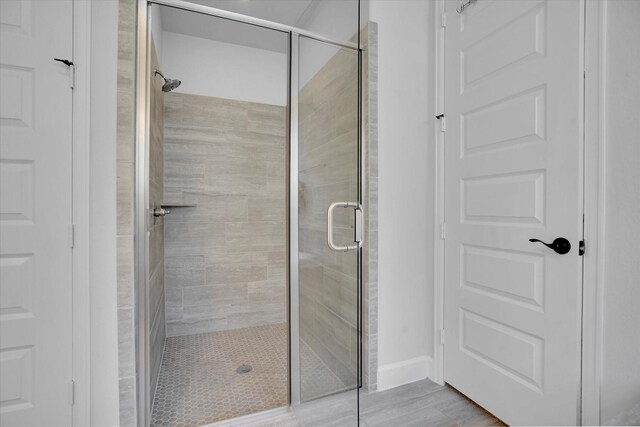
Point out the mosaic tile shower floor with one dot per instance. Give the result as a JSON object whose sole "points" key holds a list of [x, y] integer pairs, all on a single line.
{"points": [[198, 382]]}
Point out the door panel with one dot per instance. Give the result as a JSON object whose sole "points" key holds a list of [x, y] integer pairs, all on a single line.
{"points": [[35, 213], [512, 173], [328, 160]]}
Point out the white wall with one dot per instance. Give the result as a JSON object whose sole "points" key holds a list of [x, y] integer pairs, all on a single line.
{"points": [[620, 390], [102, 212], [406, 194], [223, 70], [406, 200]]}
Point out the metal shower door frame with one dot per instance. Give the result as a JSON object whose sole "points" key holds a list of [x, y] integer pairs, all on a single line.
{"points": [[141, 193]]}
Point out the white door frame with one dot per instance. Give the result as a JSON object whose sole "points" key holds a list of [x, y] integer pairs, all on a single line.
{"points": [[593, 187], [81, 274], [594, 199], [94, 370]]}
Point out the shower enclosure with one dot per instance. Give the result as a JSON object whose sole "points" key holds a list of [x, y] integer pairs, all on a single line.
{"points": [[323, 181]]}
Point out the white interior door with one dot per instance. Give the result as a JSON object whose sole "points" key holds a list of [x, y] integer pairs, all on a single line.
{"points": [[513, 94], [35, 213]]}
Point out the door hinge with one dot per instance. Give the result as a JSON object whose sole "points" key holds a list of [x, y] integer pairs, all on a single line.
{"points": [[72, 76], [72, 235], [442, 336], [581, 248], [72, 392], [443, 231], [443, 20]]}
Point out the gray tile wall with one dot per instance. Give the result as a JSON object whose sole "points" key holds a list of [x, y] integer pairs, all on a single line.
{"points": [[327, 280], [156, 231], [125, 170], [328, 173], [370, 304], [125, 207], [224, 258]]}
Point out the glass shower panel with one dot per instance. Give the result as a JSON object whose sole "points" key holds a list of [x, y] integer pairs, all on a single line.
{"points": [[335, 19], [218, 295], [328, 157]]}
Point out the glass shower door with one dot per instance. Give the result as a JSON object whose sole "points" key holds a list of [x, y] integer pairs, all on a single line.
{"points": [[329, 226]]}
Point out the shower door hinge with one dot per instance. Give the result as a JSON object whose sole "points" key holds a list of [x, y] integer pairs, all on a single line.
{"points": [[581, 248], [72, 235], [443, 20], [72, 392], [443, 231], [442, 336]]}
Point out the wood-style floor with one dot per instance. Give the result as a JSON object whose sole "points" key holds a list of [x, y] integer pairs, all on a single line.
{"points": [[422, 403]]}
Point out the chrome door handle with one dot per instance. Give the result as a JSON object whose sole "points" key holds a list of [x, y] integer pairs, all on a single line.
{"points": [[160, 212], [358, 229]]}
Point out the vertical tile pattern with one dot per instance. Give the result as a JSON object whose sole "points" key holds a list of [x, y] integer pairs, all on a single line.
{"points": [[370, 110], [327, 133], [225, 257], [328, 172], [156, 278], [125, 180]]}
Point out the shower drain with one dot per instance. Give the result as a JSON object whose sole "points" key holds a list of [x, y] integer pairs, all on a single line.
{"points": [[243, 369]]}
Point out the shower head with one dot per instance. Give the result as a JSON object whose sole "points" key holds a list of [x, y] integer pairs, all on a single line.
{"points": [[169, 84]]}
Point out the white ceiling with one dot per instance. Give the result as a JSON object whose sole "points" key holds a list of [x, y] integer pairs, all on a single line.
{"points": [[288, 12]]}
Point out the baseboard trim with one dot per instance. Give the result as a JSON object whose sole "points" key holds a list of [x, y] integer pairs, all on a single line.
{"points": [[407, 371]]}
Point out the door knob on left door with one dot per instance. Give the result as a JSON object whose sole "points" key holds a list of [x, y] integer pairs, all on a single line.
{"points": [[560, 245]]}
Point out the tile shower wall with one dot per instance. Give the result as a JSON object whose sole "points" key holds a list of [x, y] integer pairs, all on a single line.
{"points": [[125, 207], [321, 312], [156, 229], [225, 257], [328, 172], [369, 36], [125, 168]]}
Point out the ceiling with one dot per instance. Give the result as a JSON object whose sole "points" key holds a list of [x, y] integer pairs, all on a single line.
{"points": [[288, 12]]}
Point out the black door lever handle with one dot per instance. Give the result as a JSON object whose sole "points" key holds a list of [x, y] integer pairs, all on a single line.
{"points": [[560, 245], [64, 61]]}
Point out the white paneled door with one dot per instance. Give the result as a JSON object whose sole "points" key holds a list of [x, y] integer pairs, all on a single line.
{"points": [[35, 213], [513, 96]]}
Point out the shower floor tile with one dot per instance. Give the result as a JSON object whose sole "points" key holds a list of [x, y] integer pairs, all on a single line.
{"points": [[198, 382]]}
